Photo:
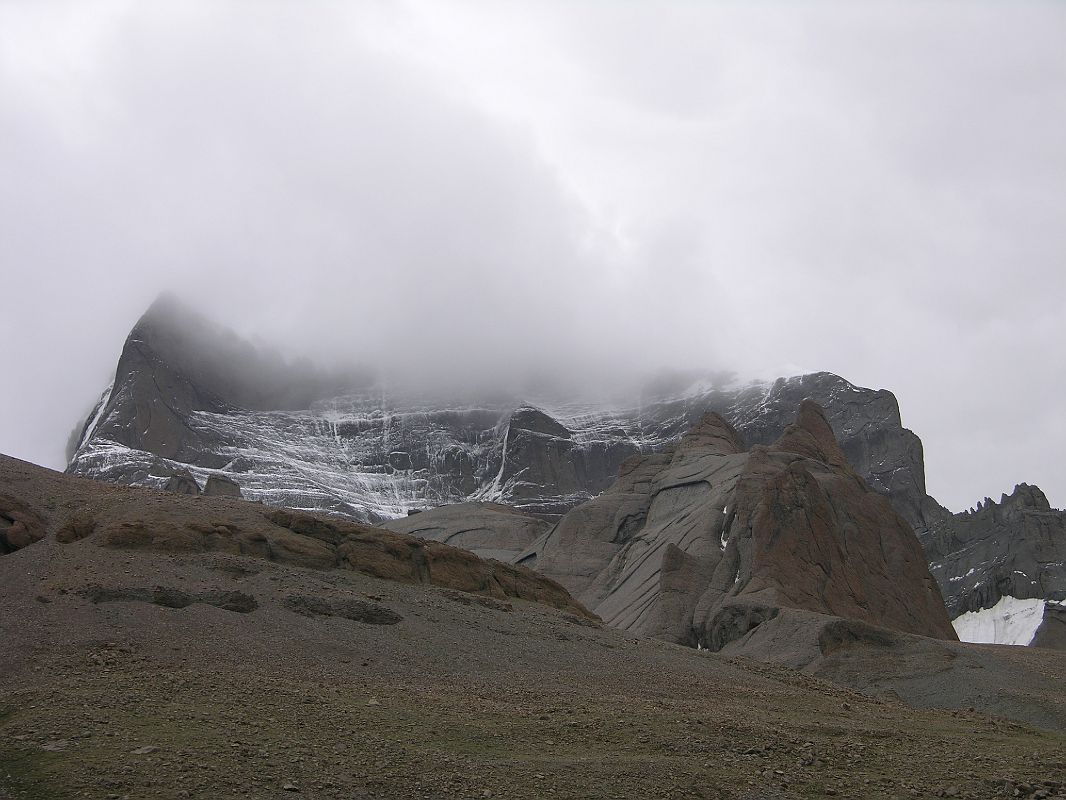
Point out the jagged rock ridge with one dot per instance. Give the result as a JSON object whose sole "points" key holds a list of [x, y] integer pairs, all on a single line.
{"points": [[1015, 548]]}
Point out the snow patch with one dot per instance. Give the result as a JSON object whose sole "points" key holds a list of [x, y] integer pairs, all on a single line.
{"points": [[98, 415], [1010, 621]]}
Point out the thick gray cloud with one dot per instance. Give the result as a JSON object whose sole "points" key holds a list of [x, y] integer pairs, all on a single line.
{"points": [[877, 190]]}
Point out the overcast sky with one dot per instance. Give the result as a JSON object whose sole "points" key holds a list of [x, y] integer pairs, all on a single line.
{"points": [[875, 190]]}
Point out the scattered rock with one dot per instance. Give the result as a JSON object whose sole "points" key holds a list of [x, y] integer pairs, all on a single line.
{"points": [[346, 607], [172, 598]]}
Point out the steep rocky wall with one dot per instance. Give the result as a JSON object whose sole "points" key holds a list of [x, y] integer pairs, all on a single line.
{"points": [[291, 437]]}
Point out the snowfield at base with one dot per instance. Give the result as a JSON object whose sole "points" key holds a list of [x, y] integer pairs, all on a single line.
{"points": [[1010, 621]]}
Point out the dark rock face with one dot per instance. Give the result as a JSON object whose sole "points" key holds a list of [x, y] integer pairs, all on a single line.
{"points": [[183, 483], [702, 545], [1052, 631], [1013, 548], [488, 530], [220, 486], [191, 396]]}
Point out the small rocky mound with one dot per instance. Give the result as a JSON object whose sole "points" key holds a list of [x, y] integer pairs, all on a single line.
{"points": [[321, 541], [704, 544], [89, 513]]}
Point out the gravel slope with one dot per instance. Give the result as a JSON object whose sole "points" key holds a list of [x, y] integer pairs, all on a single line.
{"points": [[140, 674]]}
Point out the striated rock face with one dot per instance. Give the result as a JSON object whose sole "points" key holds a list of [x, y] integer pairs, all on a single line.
{"points": [[488, 530], [704, 544], [1015, 548], [190, 395]]}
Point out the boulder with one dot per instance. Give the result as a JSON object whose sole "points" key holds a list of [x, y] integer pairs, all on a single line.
{"points": [[221, 486], [183, 483], [20, 525]]}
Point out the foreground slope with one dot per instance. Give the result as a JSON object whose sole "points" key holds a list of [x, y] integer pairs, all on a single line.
{"points": [[150, 672]]}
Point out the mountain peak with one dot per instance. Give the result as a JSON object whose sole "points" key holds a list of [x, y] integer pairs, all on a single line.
{"points": [[811, 436]]}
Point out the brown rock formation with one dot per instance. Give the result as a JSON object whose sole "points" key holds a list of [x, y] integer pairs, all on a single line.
{"points": [[704, 544]]}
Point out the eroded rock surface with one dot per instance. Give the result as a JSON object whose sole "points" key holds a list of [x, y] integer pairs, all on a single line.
{"points": [[703, 544], [1013, 548]]}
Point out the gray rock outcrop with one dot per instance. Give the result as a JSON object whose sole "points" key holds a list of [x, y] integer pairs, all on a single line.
{"points": [[488, 530]]}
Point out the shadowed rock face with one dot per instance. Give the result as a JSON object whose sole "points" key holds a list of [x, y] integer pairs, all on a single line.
{"points": [[701, 545], [1013, 548], [190, 395]]}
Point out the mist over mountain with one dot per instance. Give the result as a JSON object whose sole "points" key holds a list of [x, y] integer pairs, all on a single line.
{"points": [[532, 398], [875, 192]]}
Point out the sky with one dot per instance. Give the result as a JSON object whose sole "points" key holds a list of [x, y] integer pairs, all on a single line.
{"points": [[873, 189]]}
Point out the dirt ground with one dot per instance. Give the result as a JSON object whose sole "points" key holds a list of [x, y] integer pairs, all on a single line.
{"points": [[140, 674]]}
